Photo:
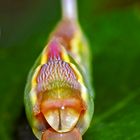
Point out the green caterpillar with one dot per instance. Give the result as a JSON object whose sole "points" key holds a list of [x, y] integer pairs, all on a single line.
{"points": [[58, 95]]}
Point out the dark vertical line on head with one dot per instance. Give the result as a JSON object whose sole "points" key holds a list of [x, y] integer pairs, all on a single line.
{"points": [[60, 125]]}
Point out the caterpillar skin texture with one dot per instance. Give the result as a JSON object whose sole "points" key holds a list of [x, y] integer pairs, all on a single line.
{"points": [[58, 95]]}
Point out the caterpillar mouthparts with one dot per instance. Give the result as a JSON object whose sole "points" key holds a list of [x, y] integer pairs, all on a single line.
{"points": [[50, 134]]}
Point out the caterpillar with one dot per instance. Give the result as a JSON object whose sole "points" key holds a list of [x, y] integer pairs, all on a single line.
{"points": [[58, 94]]}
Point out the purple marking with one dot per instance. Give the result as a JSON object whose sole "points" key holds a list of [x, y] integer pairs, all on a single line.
{"points": [[56, 73], [54, 49]]}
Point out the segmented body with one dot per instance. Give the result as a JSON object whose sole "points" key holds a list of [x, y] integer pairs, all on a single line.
{"points": [[58, 94]]}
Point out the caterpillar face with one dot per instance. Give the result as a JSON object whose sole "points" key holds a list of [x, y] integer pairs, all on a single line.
{"points": [[59, 97]]}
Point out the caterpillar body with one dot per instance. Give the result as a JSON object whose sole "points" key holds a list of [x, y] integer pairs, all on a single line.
{"points": [[58, 94]]}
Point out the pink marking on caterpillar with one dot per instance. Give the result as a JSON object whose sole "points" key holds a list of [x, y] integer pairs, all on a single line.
{"points": [[56, 73]]}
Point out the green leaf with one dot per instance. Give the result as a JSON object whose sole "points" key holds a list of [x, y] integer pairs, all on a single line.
{"points": [[113, 31], [115, 43]]}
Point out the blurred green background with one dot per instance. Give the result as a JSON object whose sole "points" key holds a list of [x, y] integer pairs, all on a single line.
{"points": [[113, 30]]}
